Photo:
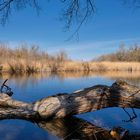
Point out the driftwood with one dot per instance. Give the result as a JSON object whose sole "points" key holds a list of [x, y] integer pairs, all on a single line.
{"points": [[119, 94]]}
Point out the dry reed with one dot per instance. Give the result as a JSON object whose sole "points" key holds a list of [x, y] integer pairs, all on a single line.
{"points": [[24, 59]]}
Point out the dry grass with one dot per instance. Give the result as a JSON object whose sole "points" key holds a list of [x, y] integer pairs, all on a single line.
{"points": [[28, 59], [99, 66], [115, 66], [24, 59], [18, 66]]}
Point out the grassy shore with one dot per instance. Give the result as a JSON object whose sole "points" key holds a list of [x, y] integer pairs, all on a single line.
{"points": [[22, 66], [29, 59]]}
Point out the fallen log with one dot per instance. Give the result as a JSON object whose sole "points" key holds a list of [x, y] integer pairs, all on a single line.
{"points": [[119, 94]]}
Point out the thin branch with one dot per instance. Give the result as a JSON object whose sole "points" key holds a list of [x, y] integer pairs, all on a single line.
{"points": [[74, 11], [5, 4]]}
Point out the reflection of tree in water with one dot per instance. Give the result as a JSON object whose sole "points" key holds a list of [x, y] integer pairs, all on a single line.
{"points": [[131, 77], [131, 117], [98, 133], [75, 128], [98, 97], [93, 98], [23, 80]]}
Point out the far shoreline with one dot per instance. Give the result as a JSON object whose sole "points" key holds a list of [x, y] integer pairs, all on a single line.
{"points": [[17, 67]]}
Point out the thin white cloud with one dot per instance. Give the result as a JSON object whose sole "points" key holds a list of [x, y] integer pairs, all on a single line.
{"points": [[89, 50], [81, 50]]}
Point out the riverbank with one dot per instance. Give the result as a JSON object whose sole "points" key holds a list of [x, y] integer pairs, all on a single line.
{"points": [[29, 59], [22, 66]]}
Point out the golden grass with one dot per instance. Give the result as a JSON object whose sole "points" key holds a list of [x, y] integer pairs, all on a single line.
{"points": [[115, 66], [99, 66], [24, 66], [105, 74], [26, 59], [29, 59]]}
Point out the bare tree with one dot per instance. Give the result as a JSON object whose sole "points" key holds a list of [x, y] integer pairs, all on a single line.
{"points": [[74, 11], [6, 7]]}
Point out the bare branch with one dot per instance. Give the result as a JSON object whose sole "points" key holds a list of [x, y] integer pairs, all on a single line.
{"points": [[6, 6], [75, 10]]}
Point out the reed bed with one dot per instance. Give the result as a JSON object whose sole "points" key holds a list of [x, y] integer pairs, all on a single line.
{"points": [[16, 66], [114, 66], [25, 59], [99, 66]]}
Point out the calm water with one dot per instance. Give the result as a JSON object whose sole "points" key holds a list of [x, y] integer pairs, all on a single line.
{"points": [[33, 87]]}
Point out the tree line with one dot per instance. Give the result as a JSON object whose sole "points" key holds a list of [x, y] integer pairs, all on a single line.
{"points": [[123, 54]]}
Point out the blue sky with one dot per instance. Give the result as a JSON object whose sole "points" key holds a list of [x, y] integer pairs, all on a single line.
{"points": [[112, 24]]}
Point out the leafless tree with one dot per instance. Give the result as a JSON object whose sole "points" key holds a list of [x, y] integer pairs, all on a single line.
{"points": [[74, 11]]}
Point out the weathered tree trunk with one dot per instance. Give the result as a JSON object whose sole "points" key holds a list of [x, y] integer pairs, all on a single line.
{"points": [[120, 94]]}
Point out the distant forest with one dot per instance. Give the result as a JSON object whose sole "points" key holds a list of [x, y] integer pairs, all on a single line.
{"points": [[123, 54]]}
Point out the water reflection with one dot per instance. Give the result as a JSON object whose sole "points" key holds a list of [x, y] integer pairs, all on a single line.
{"points": [[67, 128], [32, 87], [74, 128], [23, 130], [22, 79]]}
